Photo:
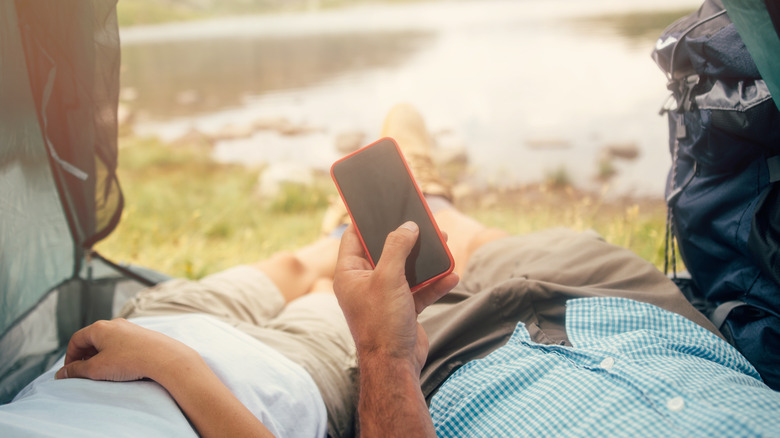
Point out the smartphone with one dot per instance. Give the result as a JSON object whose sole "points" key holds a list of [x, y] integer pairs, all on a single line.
{"points": [[380, 194]]}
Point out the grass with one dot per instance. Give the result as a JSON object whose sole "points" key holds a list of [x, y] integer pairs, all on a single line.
{"points": [[188, 216], [636, 224]]}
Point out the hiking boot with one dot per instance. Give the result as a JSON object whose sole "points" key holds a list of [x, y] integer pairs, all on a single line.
{"points": [[406, 126]]}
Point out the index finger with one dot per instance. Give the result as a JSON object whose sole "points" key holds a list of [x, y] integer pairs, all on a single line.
{"points": [[351, 253], [81, 346]]}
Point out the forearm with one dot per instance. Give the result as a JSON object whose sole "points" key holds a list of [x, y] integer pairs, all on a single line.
{"points": [[205, 400], [391, 402], [121, 351], [392, 346]]}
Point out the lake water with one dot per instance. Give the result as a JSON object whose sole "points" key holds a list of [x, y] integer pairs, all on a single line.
{"points": [[525, 87]]}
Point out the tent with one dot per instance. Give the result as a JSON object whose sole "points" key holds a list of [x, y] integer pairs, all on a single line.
{"points": [[59, 193], [59, 87], [758, 24]]}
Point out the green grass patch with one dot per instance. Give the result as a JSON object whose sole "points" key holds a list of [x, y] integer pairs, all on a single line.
{"points": [[558, 178], [636, 224], [188, 216]]}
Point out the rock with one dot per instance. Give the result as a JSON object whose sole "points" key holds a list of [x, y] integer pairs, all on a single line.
{"points": [[233, 132], [628, 151], [291, 129], [547, 143], [270, 123], [282, 125]]}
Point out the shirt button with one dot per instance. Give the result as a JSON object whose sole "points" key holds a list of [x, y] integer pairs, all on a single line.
{"points": [[675, 404], [607, 363]]}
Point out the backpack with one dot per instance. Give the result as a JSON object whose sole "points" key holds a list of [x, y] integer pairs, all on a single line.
{"points": [[723, 193]]}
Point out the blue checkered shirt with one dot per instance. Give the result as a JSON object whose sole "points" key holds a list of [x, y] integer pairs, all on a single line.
{"points": [[633, 370]]}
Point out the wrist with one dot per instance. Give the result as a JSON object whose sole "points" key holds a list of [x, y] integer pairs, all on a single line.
{"points": [[390, 397], [175, 364], [387, 381], [379, 361]]}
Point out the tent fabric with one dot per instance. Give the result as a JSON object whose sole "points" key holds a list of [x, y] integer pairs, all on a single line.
{"points": [[758, 23], [73, 59], [59, 89], [36, 248], [35, 341], [59, 86]]}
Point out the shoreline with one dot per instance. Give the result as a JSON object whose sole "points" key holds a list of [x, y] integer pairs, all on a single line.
{"points": [[190, 227]]}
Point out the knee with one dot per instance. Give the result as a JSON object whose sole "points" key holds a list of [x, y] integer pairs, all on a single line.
{"points": [[289, 263], [483, 237]]}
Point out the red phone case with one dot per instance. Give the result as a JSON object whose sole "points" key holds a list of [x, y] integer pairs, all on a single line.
{"points": [[419, 194]]}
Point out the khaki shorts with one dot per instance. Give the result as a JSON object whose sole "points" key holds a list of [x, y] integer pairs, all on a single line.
{"points": [[529, 278], [310, 331]]}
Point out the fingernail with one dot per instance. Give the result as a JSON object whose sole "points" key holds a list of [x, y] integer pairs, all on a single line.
{"points": [[61, 374], [411, 226]]}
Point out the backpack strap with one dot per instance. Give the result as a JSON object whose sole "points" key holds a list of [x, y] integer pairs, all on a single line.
{"points": [[764, 239], [722, 312], [773, 163]]}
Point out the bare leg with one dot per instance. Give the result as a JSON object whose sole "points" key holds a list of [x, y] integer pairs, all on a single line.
{"points": [[322, 285], [297, 273], [464, 235], [310, 268], [406, 125]]}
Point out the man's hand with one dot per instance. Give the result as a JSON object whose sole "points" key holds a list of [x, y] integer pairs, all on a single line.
{"points": [[392, 346], [378, 304]]}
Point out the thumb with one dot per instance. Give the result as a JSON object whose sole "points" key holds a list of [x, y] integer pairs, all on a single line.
{"points": [[75, 369], [398, 245], [95, 368]]}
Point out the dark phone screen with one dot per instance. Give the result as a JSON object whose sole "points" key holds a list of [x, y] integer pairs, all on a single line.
{"points": [[380, 194]]}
